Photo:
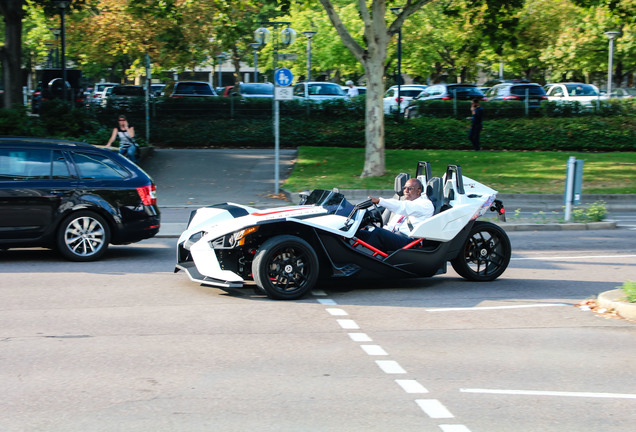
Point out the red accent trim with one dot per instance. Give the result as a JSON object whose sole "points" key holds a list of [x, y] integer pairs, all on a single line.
{"points": [[368, 246], [276, 211], [413, 243]]}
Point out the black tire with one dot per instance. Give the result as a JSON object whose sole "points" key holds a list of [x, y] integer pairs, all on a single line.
{"points": [[285, 267], [83, 236], [485, 254]]}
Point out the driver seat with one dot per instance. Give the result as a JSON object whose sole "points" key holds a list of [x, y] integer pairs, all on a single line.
{"points": [[398, 188]]}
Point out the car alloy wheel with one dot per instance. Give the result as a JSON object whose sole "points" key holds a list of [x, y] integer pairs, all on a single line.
{"points": [[285, 267], [83, 236], [485, 254]]}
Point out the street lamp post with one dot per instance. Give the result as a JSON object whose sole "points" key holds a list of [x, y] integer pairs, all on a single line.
{"points": [[255, 46], [63, 5], [309, 34], [611, 36], [396, 11], [288, 35]]}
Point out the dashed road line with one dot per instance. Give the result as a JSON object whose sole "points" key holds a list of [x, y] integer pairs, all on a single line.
{"points": [[434, 408], [336, 312], [390, 366], [374, 350], [411, 386], [348, 324], [360, 337]]}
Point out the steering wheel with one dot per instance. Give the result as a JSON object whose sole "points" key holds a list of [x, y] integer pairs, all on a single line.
{"points": [[373, 216]]}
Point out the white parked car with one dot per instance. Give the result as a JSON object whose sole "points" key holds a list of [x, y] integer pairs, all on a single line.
{"points": [[98, 90], [407, 93], [318, 91], [586, 94]]}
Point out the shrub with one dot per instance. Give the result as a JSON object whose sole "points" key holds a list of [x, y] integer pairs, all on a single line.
{"points": [[595, 212], [629, 288]]}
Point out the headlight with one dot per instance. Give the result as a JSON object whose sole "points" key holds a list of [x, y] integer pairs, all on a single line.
{"points": [[193, 239], [233, 240], [238, 238]]}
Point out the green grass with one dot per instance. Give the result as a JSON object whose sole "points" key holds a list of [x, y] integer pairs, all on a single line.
{"points": [[504, 171]]}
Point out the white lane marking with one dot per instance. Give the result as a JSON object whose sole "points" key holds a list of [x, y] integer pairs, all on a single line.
{"points": [[390, 366], [454, 428], [557, 258], [552, 393], [411, 386], [336, 312], [360, 337], [348, 324], [495, 307], [434, 408], [374, 350], [318, 292], [327, 301]]}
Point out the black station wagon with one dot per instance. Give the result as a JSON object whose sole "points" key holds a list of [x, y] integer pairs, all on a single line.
{"points": [[72, 196]]}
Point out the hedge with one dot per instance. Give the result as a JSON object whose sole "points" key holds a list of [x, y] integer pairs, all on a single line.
{"points": [[334, 124]]}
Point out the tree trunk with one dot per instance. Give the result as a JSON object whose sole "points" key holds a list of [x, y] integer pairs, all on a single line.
{"points": [[377, 37], [10, 54]]}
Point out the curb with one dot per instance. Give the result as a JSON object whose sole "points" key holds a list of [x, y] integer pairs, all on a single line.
{"points": [[611, 300]]}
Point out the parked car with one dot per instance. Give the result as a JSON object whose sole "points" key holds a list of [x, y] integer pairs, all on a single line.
{"points": [[571, 92], [407, 93], [253, 90], [318, 91], [623, 93], [156, 90], [72, 196], [95, 98], [531, 93], [190, 89], [445, 92], [123, 96], [54, 87]]}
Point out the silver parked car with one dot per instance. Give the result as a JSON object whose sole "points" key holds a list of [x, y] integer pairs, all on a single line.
{"points": [[586, 94], [318, 91]]}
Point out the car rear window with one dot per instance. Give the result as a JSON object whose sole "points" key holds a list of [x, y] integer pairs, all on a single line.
{"points": [[532, 90], [193, 89], [465, 90], [128, 91], [410, 93], [257, 89], [92, 166], [325, 89], [581, 90]]}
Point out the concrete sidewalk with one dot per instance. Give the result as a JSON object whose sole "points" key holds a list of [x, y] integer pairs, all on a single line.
{"points": [[187, 179]]}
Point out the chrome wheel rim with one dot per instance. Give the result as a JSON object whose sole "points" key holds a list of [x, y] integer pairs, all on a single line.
{"points": [[84, 236]]}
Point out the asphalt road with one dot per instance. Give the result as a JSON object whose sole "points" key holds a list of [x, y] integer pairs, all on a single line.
{"points": [[125, 344]]}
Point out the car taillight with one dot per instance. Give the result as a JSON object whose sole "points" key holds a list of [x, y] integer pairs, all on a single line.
{"points": [[399, 99], [447, 98], [544, 98], [512, 97], [148, 194]]}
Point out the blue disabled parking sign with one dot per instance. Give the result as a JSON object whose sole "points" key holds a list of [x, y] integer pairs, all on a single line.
{"points": [[283, 77]]}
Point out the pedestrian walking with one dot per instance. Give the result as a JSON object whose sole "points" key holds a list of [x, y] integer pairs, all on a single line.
{"points": [[476, 124]]}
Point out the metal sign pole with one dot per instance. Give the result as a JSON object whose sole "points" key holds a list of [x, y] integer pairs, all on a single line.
{"points": [[276, 144]]}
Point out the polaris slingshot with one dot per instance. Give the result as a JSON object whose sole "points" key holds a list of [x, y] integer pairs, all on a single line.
{"points": [[287, 251]]}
